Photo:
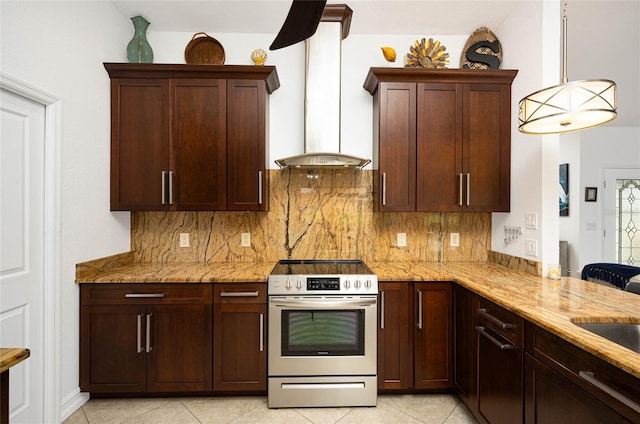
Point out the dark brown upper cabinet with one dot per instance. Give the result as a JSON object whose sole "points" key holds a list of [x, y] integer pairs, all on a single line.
{"points": [[189, 137], [442, 139]]}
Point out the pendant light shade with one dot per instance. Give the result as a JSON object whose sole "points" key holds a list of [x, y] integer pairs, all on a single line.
{"points": [[570, 106]]}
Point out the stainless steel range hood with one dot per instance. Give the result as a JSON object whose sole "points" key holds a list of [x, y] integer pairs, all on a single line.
{"points": [[323, 57]]}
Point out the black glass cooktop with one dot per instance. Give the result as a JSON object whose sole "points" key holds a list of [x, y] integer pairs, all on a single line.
{"points": [[321, 267]]}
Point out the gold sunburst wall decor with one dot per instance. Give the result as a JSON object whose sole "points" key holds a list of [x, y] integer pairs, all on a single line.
{"points": [[481, 51], [427, 54]]}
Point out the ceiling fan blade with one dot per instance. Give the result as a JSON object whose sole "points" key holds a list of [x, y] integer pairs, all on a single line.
{"points": [[301, 23]]}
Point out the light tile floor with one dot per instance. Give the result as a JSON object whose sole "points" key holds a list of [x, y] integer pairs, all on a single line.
{"points": [[396, 409]]}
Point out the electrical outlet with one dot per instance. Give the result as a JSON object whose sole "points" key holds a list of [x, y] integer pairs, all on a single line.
{"points": [[402, 239], [454, 239], [531, 247], [184, 239], [245, 239]]}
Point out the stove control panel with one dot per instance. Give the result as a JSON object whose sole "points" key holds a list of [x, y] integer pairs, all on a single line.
{"points": [[322, 284]]}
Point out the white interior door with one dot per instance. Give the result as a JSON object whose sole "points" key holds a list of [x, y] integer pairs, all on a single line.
{"points": [[22, 135], [610, 212]]}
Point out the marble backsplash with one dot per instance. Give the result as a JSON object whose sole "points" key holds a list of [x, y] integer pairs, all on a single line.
{"points": [[314, 214]]}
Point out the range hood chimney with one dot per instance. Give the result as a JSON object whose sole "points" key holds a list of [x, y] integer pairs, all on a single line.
{"points": [[323, 57]]}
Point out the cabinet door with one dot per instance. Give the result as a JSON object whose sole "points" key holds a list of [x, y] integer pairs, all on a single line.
{"points": [[395, 182], [433, 335], [464, 367], [178, 348], [551, 398], [198, 144], [246, 143], [240, 353], [395, 350], [487, 147], [112, 355], [500, 378], [139, 144], [439, 148]]}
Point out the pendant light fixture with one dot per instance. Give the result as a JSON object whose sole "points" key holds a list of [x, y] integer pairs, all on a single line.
{"points": [[570, 106]]}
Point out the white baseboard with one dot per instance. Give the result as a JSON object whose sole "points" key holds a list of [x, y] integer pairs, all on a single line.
{"points": [[71, 403]]}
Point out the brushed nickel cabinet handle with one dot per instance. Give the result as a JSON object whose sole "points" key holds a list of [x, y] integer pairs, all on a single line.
{"points": [[148, 335], [382, 310], [384, 189], [460, 189], [468, 187], [139, 347], [164, 188], [483, 312], [171, 174], [261, 332], [420, 310], [240, 294], [143, 295], [502, 346], [259, 187], [590, 377]]}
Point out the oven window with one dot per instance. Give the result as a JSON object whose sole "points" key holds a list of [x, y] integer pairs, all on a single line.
{"points": [[323, 333]]}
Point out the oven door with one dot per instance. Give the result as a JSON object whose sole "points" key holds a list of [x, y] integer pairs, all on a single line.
{"points": [[322, 335]]}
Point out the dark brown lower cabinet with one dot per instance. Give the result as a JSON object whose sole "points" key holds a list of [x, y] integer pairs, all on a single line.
{"points": [[551, 398], [395, 337], [145, 338], [500, 364], [568, 385], [433, 333], [239, 332], [464, 344], [415, 334]]}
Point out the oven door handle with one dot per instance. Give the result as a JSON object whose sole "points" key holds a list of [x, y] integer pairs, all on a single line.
{"points": [[314, 302]]}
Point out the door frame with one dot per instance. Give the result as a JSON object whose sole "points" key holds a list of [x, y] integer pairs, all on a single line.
{"points": [[51, 238], [608, 240]]}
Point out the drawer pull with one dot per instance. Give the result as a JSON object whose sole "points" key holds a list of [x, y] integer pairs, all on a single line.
{"points": [[502, 346], [240, 294], [590, 377], [483, 312], [384, 189], [144, 295]]}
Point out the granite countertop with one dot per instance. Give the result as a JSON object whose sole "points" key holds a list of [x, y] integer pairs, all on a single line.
{"points": [[551, 304], [12, 356]]}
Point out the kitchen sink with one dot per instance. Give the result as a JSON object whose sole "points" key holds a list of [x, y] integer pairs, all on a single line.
{"points": [[624, 334]]}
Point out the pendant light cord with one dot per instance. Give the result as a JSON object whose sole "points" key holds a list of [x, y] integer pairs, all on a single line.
{"points": [[564, 43]]}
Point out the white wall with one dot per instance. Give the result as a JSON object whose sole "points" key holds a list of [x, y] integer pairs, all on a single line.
{"points": [[570, 147], [59, 48], [530, 182], [602, 147]]}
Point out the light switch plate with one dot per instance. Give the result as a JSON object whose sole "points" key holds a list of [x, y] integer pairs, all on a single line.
{"points": [[531, 221], [531, 247], [454, 239], [402, 239], [245, 239]]}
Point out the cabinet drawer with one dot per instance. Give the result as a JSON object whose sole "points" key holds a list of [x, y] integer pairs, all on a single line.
{"points": [[240, 293], [599, 378], [504, 322], [125, 294]]}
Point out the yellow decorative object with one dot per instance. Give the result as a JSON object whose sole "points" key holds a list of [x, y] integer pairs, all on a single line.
{"points": [[389, 54], [427, 54], [259, 56]]}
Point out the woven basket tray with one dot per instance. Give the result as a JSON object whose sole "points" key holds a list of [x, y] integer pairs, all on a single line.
{"points": [[203, 49]]}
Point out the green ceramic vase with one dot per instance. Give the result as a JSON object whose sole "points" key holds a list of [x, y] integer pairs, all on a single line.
{"points": [[139, 50]]}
